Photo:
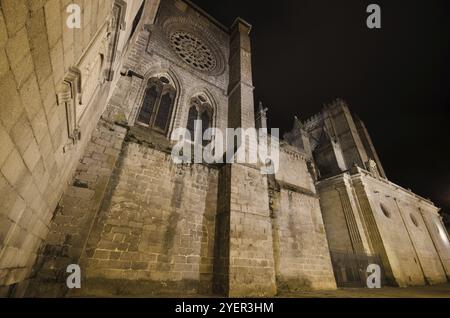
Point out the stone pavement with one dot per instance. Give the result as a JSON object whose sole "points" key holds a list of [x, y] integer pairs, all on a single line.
{"points": [[436, 291]]}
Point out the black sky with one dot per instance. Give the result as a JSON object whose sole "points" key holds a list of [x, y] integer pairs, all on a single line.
{"points": [[397, 79]]}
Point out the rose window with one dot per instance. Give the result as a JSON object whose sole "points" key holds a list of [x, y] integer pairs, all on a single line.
{"points": [[193, 51]]}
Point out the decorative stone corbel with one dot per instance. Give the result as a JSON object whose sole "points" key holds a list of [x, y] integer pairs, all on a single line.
{"points": [[69, 95], [116, 24]]}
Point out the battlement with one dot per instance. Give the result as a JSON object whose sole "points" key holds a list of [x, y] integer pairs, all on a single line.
{"points": [[292, 151], [313, 121], [337, 102]]}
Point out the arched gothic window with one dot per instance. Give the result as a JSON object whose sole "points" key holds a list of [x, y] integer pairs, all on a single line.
{"points": [[157, 107], [200, 109]]}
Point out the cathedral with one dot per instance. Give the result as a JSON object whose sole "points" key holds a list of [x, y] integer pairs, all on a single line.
{"points": [[87, 175]]}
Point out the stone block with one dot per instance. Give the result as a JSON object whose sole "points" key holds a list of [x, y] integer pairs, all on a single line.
{"points": [[31, 98], [17, 47], [45, 146], [48, 95], [32, 155], [16, 275], [41, 177], [10, 103], [6, 144], [17, 238], [21, 133], [17, 210], [53, 126], [28, 189], [3, 31], [57, 59], [68, 59], [15, 13], [102, 254], [14, 168], [4, 63], [5, 227], [39, 47], [22, 70], [39, 125], [34, 5], [139, 265], [53, 21], [9, 257], [6, 192]]}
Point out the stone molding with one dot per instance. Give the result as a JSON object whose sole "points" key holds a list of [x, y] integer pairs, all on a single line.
{"points": [[70, 96], [198, 30]]}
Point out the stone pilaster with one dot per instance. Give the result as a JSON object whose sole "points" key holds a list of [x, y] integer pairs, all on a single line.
{"points": [[241, 104], [368, 145], [241, 112], [373, 231], [350, 220], [244, 256]]}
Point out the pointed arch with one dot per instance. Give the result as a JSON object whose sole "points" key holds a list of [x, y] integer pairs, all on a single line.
{"points": [[201, 107], [211, 100], [158, 101]]}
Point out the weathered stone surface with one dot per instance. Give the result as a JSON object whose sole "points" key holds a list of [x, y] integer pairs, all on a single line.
{"points": [[37, 158], [386, 213], [82, 182], [15, 13]]}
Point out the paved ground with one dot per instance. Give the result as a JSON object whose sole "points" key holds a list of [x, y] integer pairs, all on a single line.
{"points": [[436, 291]]}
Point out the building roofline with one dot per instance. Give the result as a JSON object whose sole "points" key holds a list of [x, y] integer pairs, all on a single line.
{"points": [[361, 171], [240, 20], [206, 15]]}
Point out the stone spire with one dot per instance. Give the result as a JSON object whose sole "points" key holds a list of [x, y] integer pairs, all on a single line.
{"points": [[298, 137], [261, 116], [298, 125]]}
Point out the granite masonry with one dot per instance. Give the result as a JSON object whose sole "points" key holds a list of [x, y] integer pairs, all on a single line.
{"points": [[87, 176]]}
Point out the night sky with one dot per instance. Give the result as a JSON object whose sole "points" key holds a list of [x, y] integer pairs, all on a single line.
{"points": [[306, 53]]}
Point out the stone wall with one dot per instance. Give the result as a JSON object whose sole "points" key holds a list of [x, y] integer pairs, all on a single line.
{"points": [[344, 130], [407, 241], [35, 53], [293, 169], [439, 235], [370, 215], [344, 223], [94, 189], [152, 55], [39, 154], [340, 140], [301, 253], [343, 216], [302, 256], [73, 221], [155, 230], [249, 244]]}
